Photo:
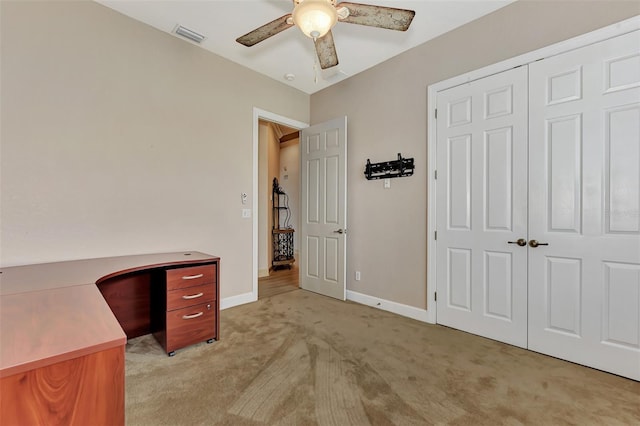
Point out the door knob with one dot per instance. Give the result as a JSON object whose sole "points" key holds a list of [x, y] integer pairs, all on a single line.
{"points": [[340, 231], [535, 243], [521, 242]]}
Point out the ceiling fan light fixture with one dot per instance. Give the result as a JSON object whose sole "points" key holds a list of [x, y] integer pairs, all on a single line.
{"points": [[315, 17]]}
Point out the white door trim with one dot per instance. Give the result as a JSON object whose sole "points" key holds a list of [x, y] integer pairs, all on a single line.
{"points": [[610, 31], [259, 114]]}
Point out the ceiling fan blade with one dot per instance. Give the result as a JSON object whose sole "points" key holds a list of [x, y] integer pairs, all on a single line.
{"points": [[326, 50], [378, 16], [266, 31]]}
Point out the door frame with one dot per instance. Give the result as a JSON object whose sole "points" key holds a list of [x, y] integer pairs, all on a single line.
{"points": [[260, 114], [595, 36]]}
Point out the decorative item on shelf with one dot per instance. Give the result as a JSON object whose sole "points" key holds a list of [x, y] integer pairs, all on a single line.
{"points": [[389, 169], [282, 232]]}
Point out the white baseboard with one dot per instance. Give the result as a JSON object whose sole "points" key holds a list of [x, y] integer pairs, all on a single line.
{"points": [[240, 299], [387, 305], [263, 273], [375, 302]]}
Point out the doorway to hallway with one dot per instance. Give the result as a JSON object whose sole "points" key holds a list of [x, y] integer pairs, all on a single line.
{"points": [[278, 282], [276, 156]]}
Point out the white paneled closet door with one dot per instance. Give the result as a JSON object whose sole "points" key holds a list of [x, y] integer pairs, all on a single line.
{"points": [[584, 168], [482, 206], [557, 167]]}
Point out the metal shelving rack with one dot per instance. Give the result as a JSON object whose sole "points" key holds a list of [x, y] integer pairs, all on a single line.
{"points": [[281, 231]]}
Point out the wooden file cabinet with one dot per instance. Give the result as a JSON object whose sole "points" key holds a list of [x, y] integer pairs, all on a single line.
{"points": [[64, 326], [189, 309]]}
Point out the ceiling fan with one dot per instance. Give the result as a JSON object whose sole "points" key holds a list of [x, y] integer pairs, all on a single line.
{"points": [[315, 18]]}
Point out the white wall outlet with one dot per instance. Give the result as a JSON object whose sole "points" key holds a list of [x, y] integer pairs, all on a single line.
{"points": [[246, 213], [387, 183], [357, 275]]}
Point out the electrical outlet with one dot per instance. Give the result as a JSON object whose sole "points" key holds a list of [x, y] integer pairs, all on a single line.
{"points": [[246, 213], [357, 275]]}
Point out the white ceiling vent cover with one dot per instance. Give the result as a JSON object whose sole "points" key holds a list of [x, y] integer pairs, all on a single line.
{"points": [[189, 34]]}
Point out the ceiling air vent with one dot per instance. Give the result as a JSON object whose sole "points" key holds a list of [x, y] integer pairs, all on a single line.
{"points": [[189, 34]]}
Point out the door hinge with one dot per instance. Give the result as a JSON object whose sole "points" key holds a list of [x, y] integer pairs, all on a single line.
{"points": [[435, 235], [435, 296], [436, 113], [435, 175]]}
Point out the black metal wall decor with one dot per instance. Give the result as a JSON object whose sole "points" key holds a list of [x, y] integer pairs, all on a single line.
{"points": [[389, 169]]}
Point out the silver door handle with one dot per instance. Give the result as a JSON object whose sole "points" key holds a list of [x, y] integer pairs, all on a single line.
{"points": [[535, 243], [340, 231]]}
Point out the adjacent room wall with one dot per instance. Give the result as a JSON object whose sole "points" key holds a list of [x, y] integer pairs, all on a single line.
{"points": [[290, 183], [119, 139], [386, 108], [273, 142]]}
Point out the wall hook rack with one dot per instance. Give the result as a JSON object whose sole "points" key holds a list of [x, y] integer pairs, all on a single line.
{"points": [[389, 169]]}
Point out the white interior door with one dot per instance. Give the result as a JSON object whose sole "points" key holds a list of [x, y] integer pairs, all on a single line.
{"points": [[323, 151], [482, 206], [584, 167]]}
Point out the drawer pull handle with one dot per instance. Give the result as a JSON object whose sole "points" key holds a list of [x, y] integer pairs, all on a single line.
{"points": [[192, 296], [199, 314], [192, 277]]}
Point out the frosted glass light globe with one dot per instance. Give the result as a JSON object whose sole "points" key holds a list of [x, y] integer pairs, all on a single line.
{"points": [[315, 17]]}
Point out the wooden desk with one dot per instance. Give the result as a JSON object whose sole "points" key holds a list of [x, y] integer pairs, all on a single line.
{"points": [[61, 347]]}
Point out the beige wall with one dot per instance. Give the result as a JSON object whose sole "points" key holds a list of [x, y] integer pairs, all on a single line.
{"points": [[274, 166], [119, 139], [387, 113]]}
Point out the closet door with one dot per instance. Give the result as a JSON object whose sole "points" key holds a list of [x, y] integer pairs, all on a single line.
{"points": [[584, 168], [482, 206]]}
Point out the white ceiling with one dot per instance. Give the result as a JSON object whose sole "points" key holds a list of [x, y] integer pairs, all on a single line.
{"points": [[290, 52]]}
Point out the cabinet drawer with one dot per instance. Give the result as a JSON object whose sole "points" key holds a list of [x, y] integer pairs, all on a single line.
{"points": [[183, 297], [190, 325], [190, 277]]}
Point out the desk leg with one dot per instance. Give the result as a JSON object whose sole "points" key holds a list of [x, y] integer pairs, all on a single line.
{"points": [[128, 296]]}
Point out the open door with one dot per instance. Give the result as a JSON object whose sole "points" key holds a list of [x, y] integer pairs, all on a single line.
{"points": [[323, 195]]}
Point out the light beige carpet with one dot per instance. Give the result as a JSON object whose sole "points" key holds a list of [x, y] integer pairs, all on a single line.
{"points": [[303, 359]]}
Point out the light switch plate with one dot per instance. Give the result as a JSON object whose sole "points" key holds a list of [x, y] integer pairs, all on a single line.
{"points": [[387, 183]]}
